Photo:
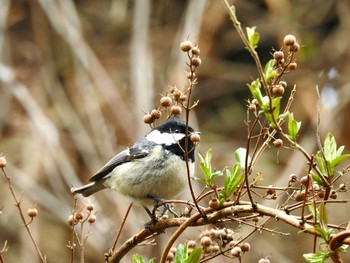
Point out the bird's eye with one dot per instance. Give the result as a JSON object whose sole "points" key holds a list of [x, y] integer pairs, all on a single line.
{"points": [[176, 131]]}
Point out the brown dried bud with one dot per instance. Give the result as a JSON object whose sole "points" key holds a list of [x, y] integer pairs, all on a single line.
{"points": [[195, 137], [333, 195], [270, 190], [300, 196], [89, 207], [206, 241], [295, 47], [278, 55], [245, 247], [186, 46], [289, 40], [278, 90], [183, 98], [191, 244], [175, 110], [79, 216], [177, 94], [165, 101], [2, 162], [156, 114], [278, 143], [236, 252], [32, 212], [195, 51], [71, 220], [196, 61], [148, 119], [214, 203], [304, 180], [292, 65], [91, 219], [252, 107]]}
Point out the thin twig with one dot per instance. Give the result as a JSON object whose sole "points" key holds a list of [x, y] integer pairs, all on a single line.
{"points": [[18, 205], [121, 228]]}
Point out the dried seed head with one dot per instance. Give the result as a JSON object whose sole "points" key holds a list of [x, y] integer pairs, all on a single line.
{"points": [[195, 137], [304, 180], [177, 94], [277, 90], [191, 76], [289, 40], [32, 212], [183, 98], [195, 51], [79, 216], [214, 203], [333, 195], [295, 47], [89, 207], [236, 252], [252, 107], [278, 55], [2, 162], [148, 119], [186, 46], [165, 101], [206, 241], [270, 190], [321, 193], [278, 143], [156, 114], [196, 61], [245, 247], [91, 219], [71, 220], [292, 65], [191, 244], [175, 110], [299, 196]]}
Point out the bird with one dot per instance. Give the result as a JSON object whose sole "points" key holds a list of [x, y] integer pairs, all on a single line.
{"points": [[152, 170]]}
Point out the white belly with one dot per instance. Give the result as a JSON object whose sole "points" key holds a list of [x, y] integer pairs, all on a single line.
{"points": [[135, 179]]}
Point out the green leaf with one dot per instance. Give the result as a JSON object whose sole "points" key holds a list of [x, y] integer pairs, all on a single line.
{"points": [[205, 165], [254, 88], [316, 257], [240, 155], [194, 256], [253, 36], [269, 70], [181, 253], [330, 147], [137, 259], [335, 162], [293, 127], [232, 180], [276, 105]]}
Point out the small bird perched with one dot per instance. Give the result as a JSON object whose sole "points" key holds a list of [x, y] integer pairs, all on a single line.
{"points": [[152, 170]]}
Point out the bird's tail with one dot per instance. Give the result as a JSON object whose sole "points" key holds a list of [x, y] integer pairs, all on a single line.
{"points": [[89, 189]]}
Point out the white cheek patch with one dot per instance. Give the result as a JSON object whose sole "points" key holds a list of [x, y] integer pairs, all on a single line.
{"points": [[164, 138]]}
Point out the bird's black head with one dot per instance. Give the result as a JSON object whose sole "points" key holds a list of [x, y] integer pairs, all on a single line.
{"points": [[171, 134]]}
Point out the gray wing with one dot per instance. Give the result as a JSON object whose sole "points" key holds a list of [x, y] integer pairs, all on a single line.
{"points": [[123, 157]]}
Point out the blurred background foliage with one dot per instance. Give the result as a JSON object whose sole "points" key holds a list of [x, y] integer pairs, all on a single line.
{"points": [[76, 77]]}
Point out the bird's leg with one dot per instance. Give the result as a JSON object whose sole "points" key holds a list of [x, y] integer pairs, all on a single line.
{"points": [[167, 207]]}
